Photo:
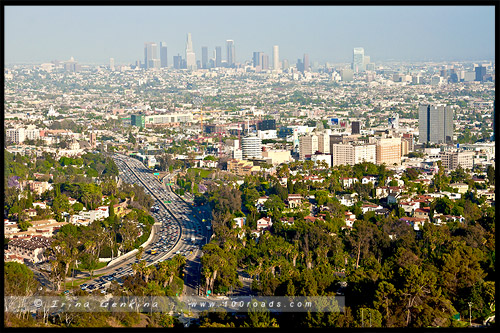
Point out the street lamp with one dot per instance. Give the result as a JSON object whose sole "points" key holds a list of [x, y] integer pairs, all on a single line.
{"points": [[470, 313]]}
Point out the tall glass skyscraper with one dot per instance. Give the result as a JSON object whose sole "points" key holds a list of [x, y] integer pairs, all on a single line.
{"points": [[306, 63], [358, 59], [435, 123], [231, 54], [204, 57], [163, 55], [151, 55], [218, 56]]}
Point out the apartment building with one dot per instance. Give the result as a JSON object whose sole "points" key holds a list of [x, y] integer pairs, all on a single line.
{"points": [[31, 250], [353, 153], [308, 145], [389, 151], [452, 159], [16, 135], [324, 143], [241, 167]]}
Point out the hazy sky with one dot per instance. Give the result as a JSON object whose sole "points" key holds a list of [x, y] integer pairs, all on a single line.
{"points": [[93, 34]]}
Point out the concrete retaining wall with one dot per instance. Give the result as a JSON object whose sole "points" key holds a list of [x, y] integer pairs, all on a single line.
{"points": [[130, 253]]}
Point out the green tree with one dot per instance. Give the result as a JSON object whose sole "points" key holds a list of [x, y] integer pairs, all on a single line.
{"points": [[490, 174], [18, 280], [274, 205]]}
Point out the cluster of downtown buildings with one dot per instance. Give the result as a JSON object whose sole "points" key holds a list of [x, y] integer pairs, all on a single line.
{"points": [[334, 115], [350, 137], [156, 58]]}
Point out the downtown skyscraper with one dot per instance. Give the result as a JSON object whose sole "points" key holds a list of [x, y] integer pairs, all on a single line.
{"points": [[163, 55], [276, 57], [190, 55], [358, 59], [435, 123], [218, 56], [204, 57], [151, 55], [231, 53]]}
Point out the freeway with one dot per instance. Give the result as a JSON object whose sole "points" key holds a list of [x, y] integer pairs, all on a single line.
{"points": [[177, 230]]}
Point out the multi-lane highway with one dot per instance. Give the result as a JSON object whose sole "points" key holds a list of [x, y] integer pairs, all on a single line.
{"points": [[178, 229]]}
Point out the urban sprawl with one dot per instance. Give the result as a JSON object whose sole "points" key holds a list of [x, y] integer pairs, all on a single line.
{"points": [[218, 178]]}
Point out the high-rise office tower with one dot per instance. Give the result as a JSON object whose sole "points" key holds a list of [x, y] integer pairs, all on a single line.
{"points": [[264, 61], [358, 59], [276, 57], [256, 59], [163, 55], [112, 64], [300, 65], [150, 54], [178, 61], [355, 127], [285, 64], [480, 73], [190, 56], [435, 123], [306, 63], [204, 57], [231, 54], [218, 56], [366, 60]]}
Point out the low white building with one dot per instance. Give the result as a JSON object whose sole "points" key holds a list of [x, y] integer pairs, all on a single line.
{"points": [[264, 223], [239, 222], [348, 199]]}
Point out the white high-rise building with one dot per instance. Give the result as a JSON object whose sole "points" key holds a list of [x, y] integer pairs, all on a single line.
{"points": [[353, 153], [435, 123], [190, 55], [251, 146], [16, 135], [276, 57], [358, 59], [324, 142], [308, 145], [112, 64]]}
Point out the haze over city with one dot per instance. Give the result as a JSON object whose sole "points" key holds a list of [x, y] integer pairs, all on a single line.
{"points": [[94, 34], [249, 167]]}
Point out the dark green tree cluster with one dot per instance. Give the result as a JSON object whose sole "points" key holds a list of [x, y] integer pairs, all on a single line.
{"points": [[390, 274]]}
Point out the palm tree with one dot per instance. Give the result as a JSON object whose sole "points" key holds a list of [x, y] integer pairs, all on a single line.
{"points": [[139, 253], [148, 271]]}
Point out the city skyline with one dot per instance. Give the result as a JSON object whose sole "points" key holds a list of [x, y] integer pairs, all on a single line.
{"points": [[35, 34]]}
